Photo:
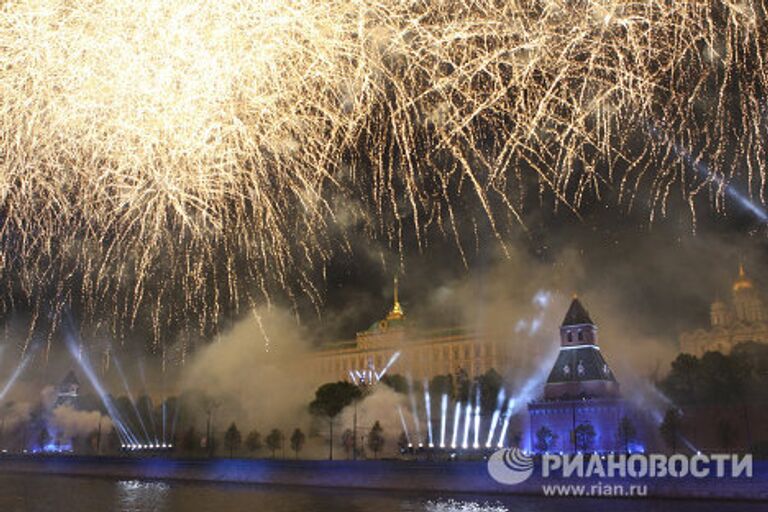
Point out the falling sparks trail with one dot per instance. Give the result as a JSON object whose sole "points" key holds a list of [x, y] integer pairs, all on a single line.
{"points": [[155, 150]]}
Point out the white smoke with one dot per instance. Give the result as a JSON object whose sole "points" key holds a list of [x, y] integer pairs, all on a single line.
{"points": [[69, 422]]}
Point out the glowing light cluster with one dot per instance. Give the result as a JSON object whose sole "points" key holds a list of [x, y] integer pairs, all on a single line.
{"points": [[142, 447], [153, 149]]}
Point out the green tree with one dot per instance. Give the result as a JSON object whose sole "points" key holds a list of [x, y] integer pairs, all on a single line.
{"points": [[627, 432], [376, 439], [682, 382], [274, 440], [584, 435], [442, 384], [232, 439], [670, 428], [297, 441], [348, 441], [330, 400], [43, 438], [462, 385], [545, 439], [402, 442], [722, 381], [253, 441], [191, 440], [490, 384], [113, 441], [396, 382], [725, 433], [91, 444]]}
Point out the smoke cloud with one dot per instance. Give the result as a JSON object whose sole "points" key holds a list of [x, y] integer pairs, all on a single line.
{"points": [[256, 373], [70, 422]]}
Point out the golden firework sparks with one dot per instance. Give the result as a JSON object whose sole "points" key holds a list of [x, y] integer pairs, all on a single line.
{"points": [[187, 143]]}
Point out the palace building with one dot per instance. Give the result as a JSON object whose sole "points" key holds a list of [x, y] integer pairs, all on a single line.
{"points": [[743, 319], [391, 345]]}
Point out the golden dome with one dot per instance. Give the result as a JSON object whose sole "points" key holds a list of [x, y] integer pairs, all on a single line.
{"points": [[742, 282]]}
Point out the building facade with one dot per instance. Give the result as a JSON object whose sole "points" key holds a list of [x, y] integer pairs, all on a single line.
{"points": [[582, 407], [743, 319], [391, 346]]}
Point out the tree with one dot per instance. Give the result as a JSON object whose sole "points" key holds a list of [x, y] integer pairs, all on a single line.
{"points": [[584, 436], [682, 382], [253, 441], [274, 440], [721, 378], [489, 384], [297, 441], [376, 439], [330, 400], [92, 441], [113, 441], [402, 442], [43, 438], [715, 377], [462, 385], [627, 432], [396, 382], [191, 440], [442, 385], [348, 441], [725, 433], [232, 439], [545, 439], [670, 428]]}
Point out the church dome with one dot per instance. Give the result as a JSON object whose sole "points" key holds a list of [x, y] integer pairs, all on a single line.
{"points": [[742, 282]]}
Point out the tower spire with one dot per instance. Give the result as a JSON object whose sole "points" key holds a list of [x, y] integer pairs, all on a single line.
{"points": [[397, 309], [396, 301], [742, 282]]}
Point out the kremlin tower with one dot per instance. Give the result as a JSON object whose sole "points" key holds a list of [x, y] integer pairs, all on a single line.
{"points": [[580, 370], [581, 408]]}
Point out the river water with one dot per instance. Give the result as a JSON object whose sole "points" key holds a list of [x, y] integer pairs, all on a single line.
{"points": [[48, 493]]}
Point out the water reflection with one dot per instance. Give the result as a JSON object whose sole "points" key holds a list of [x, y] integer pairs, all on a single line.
{"points": [[463, 506], [137, 496], [54, 493]]}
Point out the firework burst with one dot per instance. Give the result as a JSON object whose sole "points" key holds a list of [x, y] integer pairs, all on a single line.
{"points": [[151, 150]]}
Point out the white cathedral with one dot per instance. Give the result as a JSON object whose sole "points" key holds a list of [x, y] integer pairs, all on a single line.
{"points": [[744, 319]]}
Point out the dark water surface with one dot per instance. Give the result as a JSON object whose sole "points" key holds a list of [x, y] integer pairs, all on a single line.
{"points": [[53, 493]]}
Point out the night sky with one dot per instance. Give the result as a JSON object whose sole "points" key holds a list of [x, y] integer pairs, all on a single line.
{"points": [[663, 274]]}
